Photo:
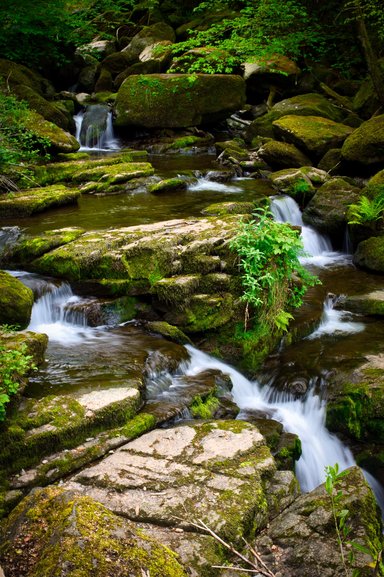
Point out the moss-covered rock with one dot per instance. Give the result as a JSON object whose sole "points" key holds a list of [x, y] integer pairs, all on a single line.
{"points": [[303, 535], [203, 312], [300, 183], [34, 200], [356, 401], [368, 304], [327, 210], [16, 301], [331, 161], [312, 134], [282, 155], [377, 178], [202, 59], [370, 254], [311, 104], [168, 185], [57, 532], [48, 110], [223, 208], [27, 249], [366, 145], [148, 36], [143, 101], [57, 139]]}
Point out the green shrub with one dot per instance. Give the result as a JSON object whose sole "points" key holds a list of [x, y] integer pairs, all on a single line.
{"points": [[273, 278], [370, 207], [14, 365]]}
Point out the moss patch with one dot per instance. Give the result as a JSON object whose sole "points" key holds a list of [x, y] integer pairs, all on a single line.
{"points": [[34, 200]]}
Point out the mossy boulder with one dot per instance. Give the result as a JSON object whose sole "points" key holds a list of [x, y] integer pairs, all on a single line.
{"points": [[365, 147], [299, 183], [312, 134], [18, 74], [33, 200], [144, 101], [331, 161], [377, 178], [16, 301], [48, 110], [202, 59], [303, 536], [356, 401], [327, 210], [58, 532], [311, 104], [282, 155], [168, 185], [366, 101], [367, 304], [223, 208], [57, 139], [370, 254]]}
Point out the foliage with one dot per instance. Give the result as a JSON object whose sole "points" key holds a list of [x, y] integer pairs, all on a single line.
{"points": [[18, 145], [341, 517], [14, 365], [369, 209], [273, 277], [9, 329]]}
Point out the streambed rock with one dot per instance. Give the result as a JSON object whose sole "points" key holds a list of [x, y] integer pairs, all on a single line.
{"points": [[34, 200], [217, 471], [53, 532], [16, 301]]}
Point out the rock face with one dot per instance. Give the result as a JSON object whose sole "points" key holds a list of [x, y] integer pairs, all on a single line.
{"points": [[366, 145], [144, 101], [302, 540], [68, 535], [16, 301]]}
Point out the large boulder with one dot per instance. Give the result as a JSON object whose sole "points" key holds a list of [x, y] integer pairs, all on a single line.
{"points": [[302, 540], [312, 134], [16, 301], [310, 104], [366, 145], [370, 254], [53, 532], [326, 211], [282, 155], [177, 100]]}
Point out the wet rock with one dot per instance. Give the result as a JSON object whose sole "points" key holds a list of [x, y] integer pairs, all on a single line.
{"points": [[64, 533], [143, 101], [223, 208], [314, 135], [168, 185], [148, 36], [370, 254], [59, 140], [367, 304]]}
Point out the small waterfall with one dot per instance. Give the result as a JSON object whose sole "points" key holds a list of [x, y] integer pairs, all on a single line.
{"points": [[205, 184], [57, 313], [317, 246], [335, 322], [94, 129]]}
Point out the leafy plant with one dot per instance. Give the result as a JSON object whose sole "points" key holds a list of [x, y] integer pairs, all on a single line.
{"points": [[341, 517], [14, 365], [273, 278], [8, 329], [368, 210]]}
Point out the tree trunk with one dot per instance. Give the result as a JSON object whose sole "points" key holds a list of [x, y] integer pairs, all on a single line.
{"points": [[370, 56]]}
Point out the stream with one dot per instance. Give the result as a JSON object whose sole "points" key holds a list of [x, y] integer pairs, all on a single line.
{"points": [[82, 358]]}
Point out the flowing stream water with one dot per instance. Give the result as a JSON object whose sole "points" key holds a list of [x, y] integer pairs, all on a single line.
{"points": [[85, 357]]}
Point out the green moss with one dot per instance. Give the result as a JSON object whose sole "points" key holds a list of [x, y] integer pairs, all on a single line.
{"points": [[204, 408], [206, 312], [223, 208], [139, 425], [168, 185], [34, 200], [16, 301], [176, 290], [169, 331], [82, 536], [30, 248], [188, 141]]}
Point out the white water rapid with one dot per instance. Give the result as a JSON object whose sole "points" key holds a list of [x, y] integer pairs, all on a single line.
{"points": [[205, 184], [105, 141]]}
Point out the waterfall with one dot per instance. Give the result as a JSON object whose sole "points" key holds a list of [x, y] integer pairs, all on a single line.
{"points": [[305, 417], [335, 322], [94, 129], [59, 314], [317, 247]]}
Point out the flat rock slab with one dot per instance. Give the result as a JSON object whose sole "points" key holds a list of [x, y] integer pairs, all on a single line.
{"points": [[34, 200], [214, 471]]}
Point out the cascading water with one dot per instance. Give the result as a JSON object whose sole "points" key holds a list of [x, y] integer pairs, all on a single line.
{"points": [[94, 129], [317, 247]]}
